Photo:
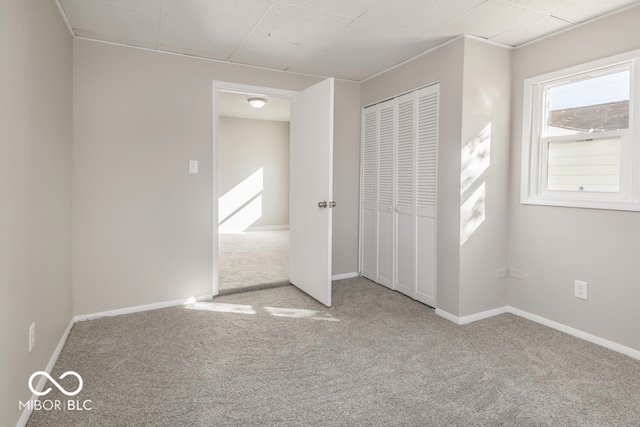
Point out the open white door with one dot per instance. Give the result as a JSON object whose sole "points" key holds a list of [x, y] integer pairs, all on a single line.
{"points": [[311, 195]]}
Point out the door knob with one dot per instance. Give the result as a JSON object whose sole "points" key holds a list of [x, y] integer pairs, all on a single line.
{"points": [[322, 204], [332, 205]]}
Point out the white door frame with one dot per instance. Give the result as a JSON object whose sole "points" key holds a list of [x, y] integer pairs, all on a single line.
{"points": [[234, 87]]}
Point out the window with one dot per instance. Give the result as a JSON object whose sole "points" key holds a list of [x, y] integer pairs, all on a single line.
{"points": [[581, 136]]}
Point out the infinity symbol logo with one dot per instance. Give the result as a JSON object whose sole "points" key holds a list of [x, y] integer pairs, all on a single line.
{"points": [[45, 392]]}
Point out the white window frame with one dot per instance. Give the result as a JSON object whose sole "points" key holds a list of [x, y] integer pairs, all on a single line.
{"points": [[533, 189]]}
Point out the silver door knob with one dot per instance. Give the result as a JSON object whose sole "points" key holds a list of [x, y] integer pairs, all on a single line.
{"points": [[322, 204], [332, 205]]}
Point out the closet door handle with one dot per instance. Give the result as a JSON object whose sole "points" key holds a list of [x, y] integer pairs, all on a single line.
{"points": [[322, 204], [332, 204]]}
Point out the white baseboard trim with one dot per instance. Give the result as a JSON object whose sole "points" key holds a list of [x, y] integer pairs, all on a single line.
{"points": [[268, 228], [472, 317], [627, 351], [450, 317], [483, 315], [26, 413], [139, 308], [344, 276]]}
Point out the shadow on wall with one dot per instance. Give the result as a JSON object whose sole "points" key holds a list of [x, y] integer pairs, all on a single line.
{"points": [[475, 159], [241, 206]]}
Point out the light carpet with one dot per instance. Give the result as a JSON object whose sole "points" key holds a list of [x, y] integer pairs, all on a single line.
{"points": [[253, 260], [376, 358]]}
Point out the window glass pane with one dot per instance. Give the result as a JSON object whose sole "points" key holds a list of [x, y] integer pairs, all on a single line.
{"points": [[592, 165], [594, 104]]}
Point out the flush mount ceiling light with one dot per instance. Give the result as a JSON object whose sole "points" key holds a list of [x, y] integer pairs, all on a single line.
{"points": [[257, 102]]}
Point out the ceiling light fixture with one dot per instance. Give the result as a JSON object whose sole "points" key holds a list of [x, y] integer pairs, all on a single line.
{"points": [[257, 102]]}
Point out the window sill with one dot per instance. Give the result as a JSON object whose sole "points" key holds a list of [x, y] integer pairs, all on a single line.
{"points": [[580, 203]]}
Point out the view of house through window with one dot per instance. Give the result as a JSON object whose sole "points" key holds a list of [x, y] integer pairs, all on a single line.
{"points": [[592, 112]]}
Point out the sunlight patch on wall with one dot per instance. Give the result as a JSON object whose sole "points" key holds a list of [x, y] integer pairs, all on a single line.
{"points": [[241, 206], [472, 214], [475, 158], [243, 218]]}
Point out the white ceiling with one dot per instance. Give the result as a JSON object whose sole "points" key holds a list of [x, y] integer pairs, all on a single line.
{"points": [[347, 39]]}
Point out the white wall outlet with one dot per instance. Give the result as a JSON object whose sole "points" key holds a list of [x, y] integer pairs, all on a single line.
{"points": [[193, 166], [581, 289], [32, 336]]}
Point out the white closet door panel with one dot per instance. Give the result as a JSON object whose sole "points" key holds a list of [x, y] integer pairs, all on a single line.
{"points": [[369, 154], [405, 195], [369, 244], [386, 132], [426, 193], [369, 204], [386, 216], [405, 254], [426, 258], [405, 151], [385, 248], [427, 147]]}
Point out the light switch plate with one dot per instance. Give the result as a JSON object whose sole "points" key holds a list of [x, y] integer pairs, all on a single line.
{"points": [[193, 166]]}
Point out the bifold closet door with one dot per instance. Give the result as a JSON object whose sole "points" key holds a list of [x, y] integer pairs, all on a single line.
{"points": [[385, 205], [426, 193], [398, 209], [405, 195], [369, 205]]}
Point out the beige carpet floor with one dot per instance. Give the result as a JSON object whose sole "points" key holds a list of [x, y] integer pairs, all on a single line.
{"points": [[252, 260], [276, 357]]}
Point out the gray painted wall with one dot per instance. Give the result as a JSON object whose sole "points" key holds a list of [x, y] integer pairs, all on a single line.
{"points": [[35, 192], [244, 147], [486, 102], [346, 177], [142, 223], [555, 246]]}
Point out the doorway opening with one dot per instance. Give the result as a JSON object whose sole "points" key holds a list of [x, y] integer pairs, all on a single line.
{"points": [[253, 191], [311, 183]]}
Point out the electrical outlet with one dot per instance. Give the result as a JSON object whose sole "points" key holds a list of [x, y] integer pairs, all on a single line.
{"points": [[32, 336], [581, 289]]}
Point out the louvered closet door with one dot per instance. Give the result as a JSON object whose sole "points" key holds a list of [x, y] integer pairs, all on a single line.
{"points": [[386, 139], [369, 206], [426, 182], [405, 195]]}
